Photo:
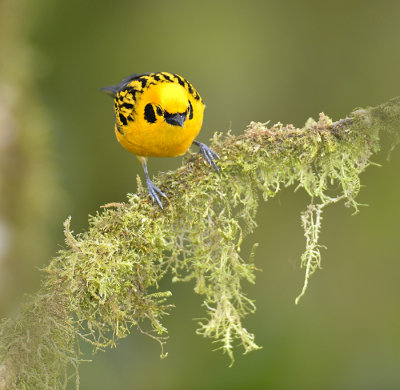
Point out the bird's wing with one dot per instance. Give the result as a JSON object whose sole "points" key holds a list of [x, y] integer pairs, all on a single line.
{"points": [[112, 90]]}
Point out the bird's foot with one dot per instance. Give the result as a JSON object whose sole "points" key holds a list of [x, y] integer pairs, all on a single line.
{"points": [[208, 154], [154, 191]]}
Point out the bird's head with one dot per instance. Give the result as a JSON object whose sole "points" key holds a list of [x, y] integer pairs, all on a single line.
{"points": [[168, 102]]}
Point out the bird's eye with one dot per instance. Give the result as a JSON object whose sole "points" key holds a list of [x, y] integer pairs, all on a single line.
{"points": [[159, 111]]}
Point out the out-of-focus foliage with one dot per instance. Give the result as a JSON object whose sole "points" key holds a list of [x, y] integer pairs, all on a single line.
{"points": [[29, 195]]}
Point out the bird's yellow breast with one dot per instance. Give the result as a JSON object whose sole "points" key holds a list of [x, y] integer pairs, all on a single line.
{"points": [[141, 109]]}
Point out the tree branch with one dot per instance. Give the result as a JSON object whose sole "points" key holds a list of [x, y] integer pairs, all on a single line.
{"points": [[105, 282]]}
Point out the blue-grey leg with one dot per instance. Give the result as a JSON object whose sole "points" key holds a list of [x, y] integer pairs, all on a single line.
{"points": [[208, 154], [154, 191]]}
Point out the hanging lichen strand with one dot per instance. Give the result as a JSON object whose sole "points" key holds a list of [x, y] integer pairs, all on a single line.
{"points": [[106, 280]]}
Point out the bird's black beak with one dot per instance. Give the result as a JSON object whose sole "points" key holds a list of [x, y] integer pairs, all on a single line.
{"points": [[176, 119]]}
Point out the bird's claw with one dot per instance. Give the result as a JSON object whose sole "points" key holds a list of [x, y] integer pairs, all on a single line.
{"points": [[154, 191], [208, 154]]}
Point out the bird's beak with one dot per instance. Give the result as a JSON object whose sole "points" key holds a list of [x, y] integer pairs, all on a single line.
{"points": [[176, 119]]}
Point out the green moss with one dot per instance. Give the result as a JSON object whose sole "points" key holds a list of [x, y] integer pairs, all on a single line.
{"points": [[105, 283]]}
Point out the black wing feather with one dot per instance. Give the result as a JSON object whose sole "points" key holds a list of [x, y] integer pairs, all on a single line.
{"points": [[112, 90]]}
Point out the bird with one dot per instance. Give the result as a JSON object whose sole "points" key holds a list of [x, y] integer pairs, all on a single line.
{"points": [[158, 115]]}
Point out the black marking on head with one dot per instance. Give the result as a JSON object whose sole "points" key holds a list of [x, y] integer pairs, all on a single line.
{"points": [[116, 124], [127, 105], [130, 118], [143, 80], [159, 111], [149, 113], [123, 119], [166, 76], [190, 109], [151, 83], [190, 88], [132, 91], [156, 77], [181, 81], [197, 96]]}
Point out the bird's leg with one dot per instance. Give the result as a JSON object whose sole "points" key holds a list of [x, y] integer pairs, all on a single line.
{"points": [[154, 191], [208, 154]]}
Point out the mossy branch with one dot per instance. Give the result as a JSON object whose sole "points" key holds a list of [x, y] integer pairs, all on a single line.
{"points": [[105, 282]]}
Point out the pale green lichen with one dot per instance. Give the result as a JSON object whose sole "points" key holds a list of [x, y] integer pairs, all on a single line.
{"points": [[106, 281]]}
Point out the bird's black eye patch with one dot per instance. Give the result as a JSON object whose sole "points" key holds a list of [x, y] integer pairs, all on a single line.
{"points": [[149, 113], [190, 110], [159, 111]]}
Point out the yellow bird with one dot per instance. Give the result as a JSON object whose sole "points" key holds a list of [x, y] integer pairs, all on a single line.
{"points": [[158, 115]]}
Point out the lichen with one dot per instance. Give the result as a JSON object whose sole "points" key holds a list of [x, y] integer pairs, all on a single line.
{"points": [[106, 281]]}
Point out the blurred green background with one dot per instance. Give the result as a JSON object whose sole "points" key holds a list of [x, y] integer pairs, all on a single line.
{"points": [[251, 61]]}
